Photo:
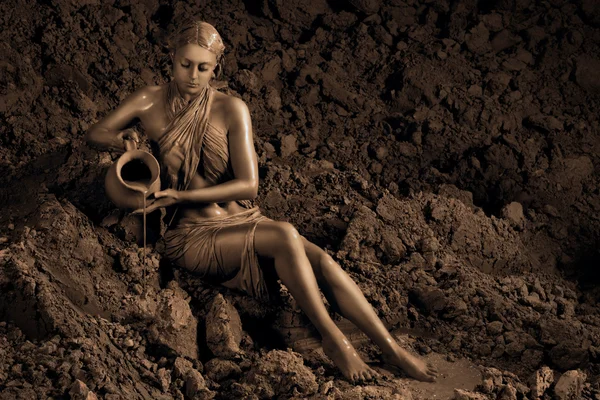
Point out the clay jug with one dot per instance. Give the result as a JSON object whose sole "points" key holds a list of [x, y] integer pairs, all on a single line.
{"points": [[135, 175]]}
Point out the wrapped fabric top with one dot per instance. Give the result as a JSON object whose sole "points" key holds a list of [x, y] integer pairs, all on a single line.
{"points": [[205, 148]]}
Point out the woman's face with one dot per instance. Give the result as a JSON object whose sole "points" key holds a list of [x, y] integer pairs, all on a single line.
{"points": [[193, 68]]}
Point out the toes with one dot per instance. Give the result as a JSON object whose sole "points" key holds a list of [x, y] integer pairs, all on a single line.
{"points": [[372, 373], [366, 376]]}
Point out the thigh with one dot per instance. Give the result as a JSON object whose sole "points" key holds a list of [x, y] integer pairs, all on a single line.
{"points": [[269, 239]]}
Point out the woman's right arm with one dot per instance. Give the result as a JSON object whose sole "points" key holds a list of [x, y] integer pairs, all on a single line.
{"points": [[108, 133]]}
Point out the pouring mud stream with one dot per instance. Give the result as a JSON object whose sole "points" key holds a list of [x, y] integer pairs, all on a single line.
{"points": [[128, 183]]}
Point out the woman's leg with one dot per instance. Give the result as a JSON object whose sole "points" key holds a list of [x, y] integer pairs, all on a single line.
{"points": [[342, 292], [280, 241]]}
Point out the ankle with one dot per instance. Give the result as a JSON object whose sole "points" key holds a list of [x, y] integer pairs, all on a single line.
{"points": [[391, 348], [334, 336]]}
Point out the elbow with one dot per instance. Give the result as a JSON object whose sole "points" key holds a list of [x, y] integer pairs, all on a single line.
{"points": [[252, 190], [90, 137]]}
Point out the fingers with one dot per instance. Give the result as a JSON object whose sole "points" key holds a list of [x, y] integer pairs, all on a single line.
{"points": [[151, 206], [130, 145], [129, 134], [132, 134], [164, 193]]}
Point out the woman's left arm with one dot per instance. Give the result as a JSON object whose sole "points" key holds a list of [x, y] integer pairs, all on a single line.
{"points": [[244, 162]]}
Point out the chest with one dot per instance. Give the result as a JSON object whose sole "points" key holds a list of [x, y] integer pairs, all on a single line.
{"points": [[154, 121]]}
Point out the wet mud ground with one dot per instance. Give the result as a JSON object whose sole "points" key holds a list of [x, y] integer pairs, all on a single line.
{"points": [[444, 152]]}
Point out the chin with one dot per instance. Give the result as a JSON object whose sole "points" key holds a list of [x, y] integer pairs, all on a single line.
{"points": [[187, 88]]}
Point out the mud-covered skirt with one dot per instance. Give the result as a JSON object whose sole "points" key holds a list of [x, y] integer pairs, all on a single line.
{"points": [[191, 245]]}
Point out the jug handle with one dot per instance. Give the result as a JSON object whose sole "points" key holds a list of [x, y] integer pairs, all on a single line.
{"points": [[130, 145]]}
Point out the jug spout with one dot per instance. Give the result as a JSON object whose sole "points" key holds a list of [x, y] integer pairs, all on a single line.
{"points": [[133, 177]]}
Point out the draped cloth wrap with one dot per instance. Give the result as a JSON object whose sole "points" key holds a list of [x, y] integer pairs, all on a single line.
{"points": [[191, 243]]}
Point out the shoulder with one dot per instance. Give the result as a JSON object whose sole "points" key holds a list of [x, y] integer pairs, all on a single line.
{"points": [[233, 111], [144, 97], [230, 105]]}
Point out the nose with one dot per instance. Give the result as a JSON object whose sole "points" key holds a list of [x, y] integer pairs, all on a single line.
{"points": [[194, 74]]}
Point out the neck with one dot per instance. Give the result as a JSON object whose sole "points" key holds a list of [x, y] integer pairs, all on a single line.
{"points": [[186, 96]]}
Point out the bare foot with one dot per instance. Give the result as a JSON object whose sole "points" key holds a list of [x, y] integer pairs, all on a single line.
{"points": [[343, 354], [412, 365]]}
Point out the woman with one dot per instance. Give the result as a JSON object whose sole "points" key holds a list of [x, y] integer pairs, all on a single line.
{"points": [[207, 154]]}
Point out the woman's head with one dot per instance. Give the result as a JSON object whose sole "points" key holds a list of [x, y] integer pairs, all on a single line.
{"points": [[196, 49]]}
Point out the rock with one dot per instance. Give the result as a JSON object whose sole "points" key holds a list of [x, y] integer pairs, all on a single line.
{"points": [[271, 69], [503, 40], [369, 7], [494, 376], [181, 367], [586, 73], [393, 248], [273, 99], [174, 325], [570, 385], [195, 385], [428, 244], [455, 308], [544, 123], [247, 80], [428, 300], [566, 356], [281, 374], [513, 212], [223, 328], [289, 145], [80, 391], [478, 39], [497, 82], [513, 64], [540, 381], [164, 378], [493, 21], [591, 11], [495, 328], [299, 13], [460, 394], [508, 392], [218, 369], [452, 191]]}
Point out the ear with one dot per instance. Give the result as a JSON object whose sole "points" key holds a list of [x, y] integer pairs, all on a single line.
{"points": [[217, 71], [172, 55]]}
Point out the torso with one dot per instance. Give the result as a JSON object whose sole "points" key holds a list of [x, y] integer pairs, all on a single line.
{"points": [[154, 120]]}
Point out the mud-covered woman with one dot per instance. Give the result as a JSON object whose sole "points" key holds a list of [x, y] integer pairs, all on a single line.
{"points": [[210, 175]]}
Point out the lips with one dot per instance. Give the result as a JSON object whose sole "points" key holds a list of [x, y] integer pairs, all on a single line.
{"points": [[193, 85]]}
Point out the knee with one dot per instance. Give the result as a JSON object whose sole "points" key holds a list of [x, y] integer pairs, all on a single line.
{"points": [[327, 265], [289, 240]]}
